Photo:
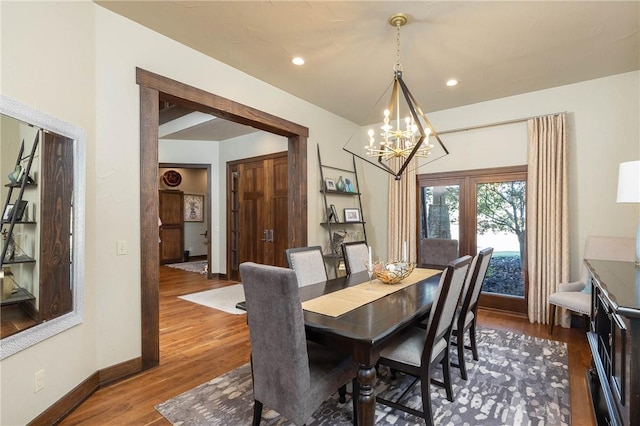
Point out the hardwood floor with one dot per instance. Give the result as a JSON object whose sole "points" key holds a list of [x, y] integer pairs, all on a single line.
{"points": [[199, 343]]}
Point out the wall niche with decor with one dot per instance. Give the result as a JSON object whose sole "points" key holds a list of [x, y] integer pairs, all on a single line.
{"points": [[42, 167]]}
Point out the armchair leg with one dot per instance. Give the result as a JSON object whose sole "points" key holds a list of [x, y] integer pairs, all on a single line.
{"points": [[552, 318], [257, 412]]}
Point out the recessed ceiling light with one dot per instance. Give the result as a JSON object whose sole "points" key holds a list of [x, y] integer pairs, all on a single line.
{"points": [[298, 60], [452, 82]]}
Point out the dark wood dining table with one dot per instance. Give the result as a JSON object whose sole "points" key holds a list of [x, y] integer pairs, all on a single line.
{"points": [[364, 331]]}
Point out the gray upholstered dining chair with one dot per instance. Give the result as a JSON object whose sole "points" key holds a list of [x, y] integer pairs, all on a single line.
{"points": [[467, 312], [290, 375], [356, 255], [575, 295], [308, 264], [418, 351], [437, 252]]}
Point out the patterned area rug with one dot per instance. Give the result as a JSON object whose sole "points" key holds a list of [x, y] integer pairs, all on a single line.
{"points": [[519, 380], [199, 266]]}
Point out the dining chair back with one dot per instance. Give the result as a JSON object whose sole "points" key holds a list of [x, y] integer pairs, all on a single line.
{"points": [[308, 264], [419, 350], [290, 375], [437, 252], [356, 256], [467, 312]]}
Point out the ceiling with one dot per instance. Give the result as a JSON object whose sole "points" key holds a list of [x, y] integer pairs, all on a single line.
{"points": [[495, 49]]}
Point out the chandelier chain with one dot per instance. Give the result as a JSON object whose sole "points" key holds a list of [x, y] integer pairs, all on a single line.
{"points": [[398, 65]]}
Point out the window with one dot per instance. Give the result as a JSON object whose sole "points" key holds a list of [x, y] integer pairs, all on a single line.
{"points": [[481, 208]]}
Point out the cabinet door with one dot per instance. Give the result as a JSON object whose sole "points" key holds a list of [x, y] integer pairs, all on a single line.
{"points": [[172, 229]]}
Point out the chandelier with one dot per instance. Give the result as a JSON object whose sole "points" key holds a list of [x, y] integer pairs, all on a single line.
{"points": [[403, 134]]}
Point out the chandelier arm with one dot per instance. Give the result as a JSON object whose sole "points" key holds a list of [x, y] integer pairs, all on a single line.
{"points": [[424, 116], [382, 165], [410, 103], [409, 157]]}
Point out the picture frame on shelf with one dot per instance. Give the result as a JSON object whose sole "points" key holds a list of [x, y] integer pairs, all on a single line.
{"points": [[8, 212], [352, 215], [332, 214], [329, 184], [193, 208], [20, 209]]}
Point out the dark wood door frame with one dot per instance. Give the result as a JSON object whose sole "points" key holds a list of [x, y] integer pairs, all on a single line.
{"points": [[151, 86]]}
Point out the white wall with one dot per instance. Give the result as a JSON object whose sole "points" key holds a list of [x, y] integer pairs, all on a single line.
{"points": [[48, 63], [603, 131], [92, 84]]}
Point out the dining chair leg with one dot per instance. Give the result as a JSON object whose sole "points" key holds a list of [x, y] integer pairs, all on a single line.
{"points": [[472, 338], [460, 348], [257, 412], [427, 411], [446, 374], [342, 394], [552, 318]]}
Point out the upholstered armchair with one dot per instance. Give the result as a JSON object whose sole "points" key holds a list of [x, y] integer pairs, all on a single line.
{"points": [[574, 296]]}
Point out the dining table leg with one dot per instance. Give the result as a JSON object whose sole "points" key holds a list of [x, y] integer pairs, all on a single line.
{"points": [[366, 397]]}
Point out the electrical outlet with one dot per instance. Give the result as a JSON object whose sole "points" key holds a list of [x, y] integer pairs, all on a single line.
{"points": [[121, 248], [38, 382]]}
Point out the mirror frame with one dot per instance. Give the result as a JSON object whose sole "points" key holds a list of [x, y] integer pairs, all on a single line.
{"points": [[40, 332]]}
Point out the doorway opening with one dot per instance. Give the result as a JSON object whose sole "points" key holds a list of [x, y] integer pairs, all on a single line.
{"points": [[188, 238], [151, 86]]}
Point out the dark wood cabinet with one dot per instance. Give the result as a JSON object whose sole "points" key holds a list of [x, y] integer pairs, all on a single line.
{"points": [[614, 339]]}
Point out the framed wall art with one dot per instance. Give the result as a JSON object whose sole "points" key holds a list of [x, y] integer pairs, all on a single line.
{"points": [[193, 208]]}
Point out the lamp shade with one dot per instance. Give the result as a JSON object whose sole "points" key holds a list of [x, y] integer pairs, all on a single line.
{"points": [[629, 182]]}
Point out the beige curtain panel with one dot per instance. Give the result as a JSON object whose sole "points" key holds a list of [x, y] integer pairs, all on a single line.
{"points": [[547, 213], [402, 213]]}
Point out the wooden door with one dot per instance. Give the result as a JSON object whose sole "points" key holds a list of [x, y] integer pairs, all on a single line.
{"points": [[172, 229], [277, 220], [257, 212]]}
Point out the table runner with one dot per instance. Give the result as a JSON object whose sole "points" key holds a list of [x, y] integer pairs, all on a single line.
{"points": [[345, 300]]}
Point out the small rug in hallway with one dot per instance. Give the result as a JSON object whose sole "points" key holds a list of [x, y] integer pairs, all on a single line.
{"points": [[518, 380], [199, 266], [224, 298]]}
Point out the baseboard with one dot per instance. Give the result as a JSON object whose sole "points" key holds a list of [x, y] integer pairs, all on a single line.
{"points": [[65, 405]]}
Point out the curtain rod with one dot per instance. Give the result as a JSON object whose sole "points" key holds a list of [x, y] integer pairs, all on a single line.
{"points": [[499, 123]]}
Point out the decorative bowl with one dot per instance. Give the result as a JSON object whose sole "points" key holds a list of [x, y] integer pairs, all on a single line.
{"points": [[392, 272]]}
